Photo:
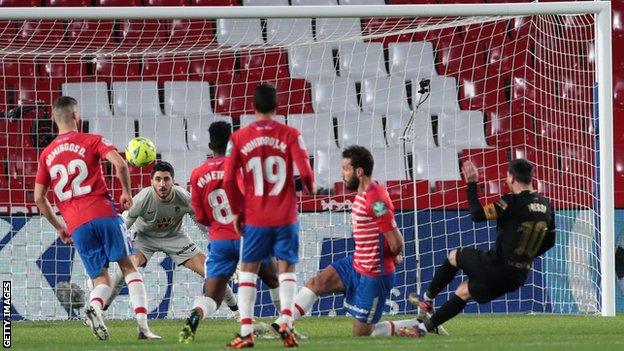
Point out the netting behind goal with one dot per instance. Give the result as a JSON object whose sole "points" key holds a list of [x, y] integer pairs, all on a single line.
{"points": [[423, 94]]}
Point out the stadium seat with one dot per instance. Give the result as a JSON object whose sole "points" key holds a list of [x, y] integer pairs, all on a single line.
{"points": [[92, 99], [327, 167], [361, 129], [118, 3], [7, 32], [68, 3], [19, 3], [421, 131], [246, 120], [262, 65], [187, 99], [15, 70], [22, 168], [40, 91], [65, 71], [317, 130], [183, 162], [618, 166], [239, 32], [491, 163], [265, 2], [390, 164], [197, 130], [289, 31], [505, 129], [361, 60], [215, 2], [333, 30], [442, 95], [362, 2], [166, 2], [523, 95], [436, 164], [313, 62], [119, 69], [233, 99], [183, 32], [412, 60], [496, 188], [461, 129], [457, 57], [334, 96], [487, 35], [165, 68], [293, 96], [143, 33], [385, 96], [45, 34], [214, 68], [167, 132], [138, 100], [83, 34], [480, 92], [618, 93], [511, 55], [313, 2], [453, 193]]}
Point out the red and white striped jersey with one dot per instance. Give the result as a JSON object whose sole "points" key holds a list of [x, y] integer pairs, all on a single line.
{"points": [[372, 214]]}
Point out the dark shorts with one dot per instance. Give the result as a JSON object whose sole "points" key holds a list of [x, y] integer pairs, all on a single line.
{"points": [[488, 277]]}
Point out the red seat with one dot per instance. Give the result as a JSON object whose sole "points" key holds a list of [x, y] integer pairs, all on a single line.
{"points": [[191, 33], [118, 3], [522, 26], [496, 188], [19, 3], [48, 34], [166, 2], [68, 3], [506, 129], [509, 57], [120, 69], [214, 68], [143, 33], [378, 26], [487, 35], [22, 168], [65, 71], [7, 32], [293, 96], [215, 2], [491, 163], [15, 69], [457, 57], [258, 66], [41, 91], [523, 94], [454, 193], [165, 68], [618, 166], [232, 99], [403, 192], [618, 126], [476, 92], [618, 93], [90, 34]]}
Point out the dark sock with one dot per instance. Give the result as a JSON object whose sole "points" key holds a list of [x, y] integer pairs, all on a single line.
{"points": [[442, 277], [450, 309], [193, 320]]}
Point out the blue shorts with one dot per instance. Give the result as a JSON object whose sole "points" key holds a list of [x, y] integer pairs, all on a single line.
{"points": [[222, 258], [279, 242], [101, 241], [365, 297]]}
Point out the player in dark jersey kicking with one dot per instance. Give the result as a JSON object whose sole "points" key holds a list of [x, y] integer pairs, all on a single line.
{"points": [[526, 229]]}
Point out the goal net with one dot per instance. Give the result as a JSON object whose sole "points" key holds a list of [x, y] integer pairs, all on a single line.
{"points": [[422, 93]]}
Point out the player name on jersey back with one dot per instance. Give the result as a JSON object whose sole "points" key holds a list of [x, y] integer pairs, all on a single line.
{"points": [[263, 141], [71, 147], [206, 178]]}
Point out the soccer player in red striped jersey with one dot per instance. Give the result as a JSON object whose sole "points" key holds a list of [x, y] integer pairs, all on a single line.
{"points": [[266, 151], [367, 276], [70, 165], [212, 209]]}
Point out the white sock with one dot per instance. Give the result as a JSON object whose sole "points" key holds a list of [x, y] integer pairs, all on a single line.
{"points": [[287, 291], [391, 328], [275, 298], [304, 301], [229, 297], [138, 298], [246, 300], [99, 296], [117, 281], [205, 304], [427, 298]]}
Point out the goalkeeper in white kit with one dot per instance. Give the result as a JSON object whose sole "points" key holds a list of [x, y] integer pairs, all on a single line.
{"points": [[156, 215]]}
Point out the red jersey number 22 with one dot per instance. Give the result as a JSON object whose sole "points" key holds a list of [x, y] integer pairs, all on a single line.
{"points": [[60, 171]]}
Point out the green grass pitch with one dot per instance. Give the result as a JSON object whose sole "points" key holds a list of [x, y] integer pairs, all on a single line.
{"points": [[468, 332]]}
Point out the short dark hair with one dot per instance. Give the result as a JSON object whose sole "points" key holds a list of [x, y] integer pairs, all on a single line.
{"points": [[360, 158], [521, 170], [163, 166], [65, 102], [265, 98], [220, 132]]}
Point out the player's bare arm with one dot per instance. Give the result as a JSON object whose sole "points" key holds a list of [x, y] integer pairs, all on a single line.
{"points": [[395, 241]]}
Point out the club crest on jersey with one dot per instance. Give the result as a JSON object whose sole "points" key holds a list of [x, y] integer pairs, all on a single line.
{"points": [[228, 149], [380, 208], [163, 222]]}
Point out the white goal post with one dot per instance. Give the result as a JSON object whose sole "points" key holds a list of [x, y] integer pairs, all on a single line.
{"points": [[557, 286]]}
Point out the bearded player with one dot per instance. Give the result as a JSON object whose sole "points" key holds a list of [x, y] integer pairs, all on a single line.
{"points": [[266, 151], [156, 216], [366, 277], [71, 166], [212, 208]]}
